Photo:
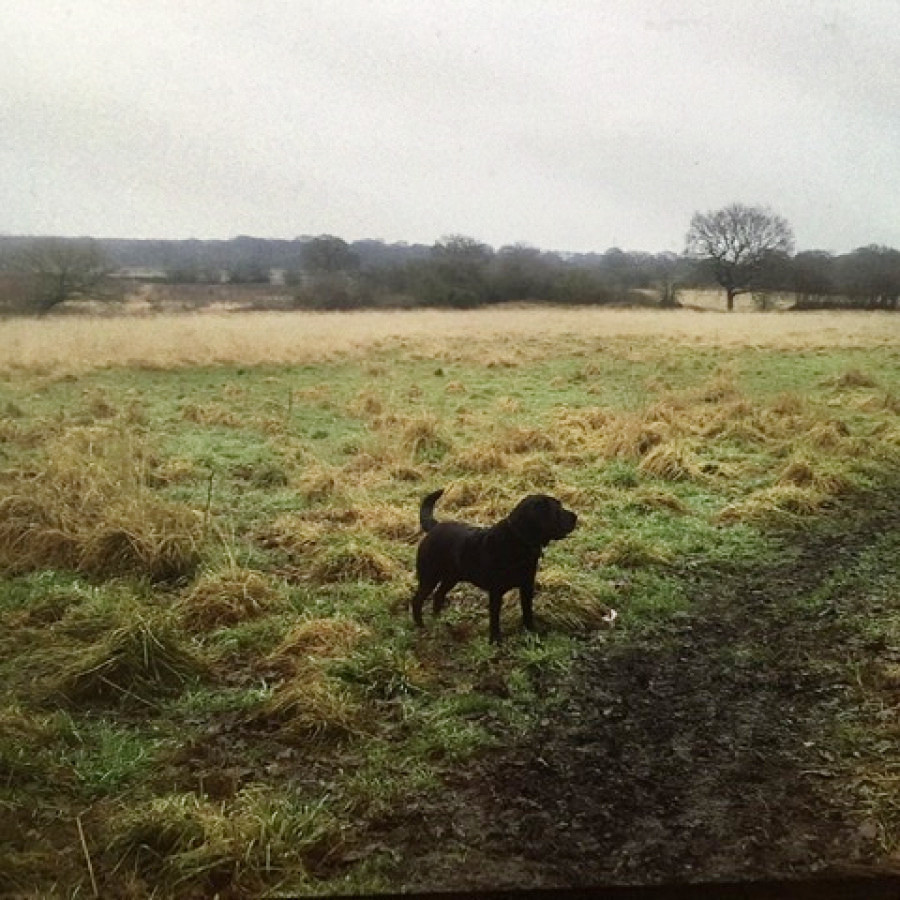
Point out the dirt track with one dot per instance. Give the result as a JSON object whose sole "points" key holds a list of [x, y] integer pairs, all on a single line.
{"points": [[705, 752]]}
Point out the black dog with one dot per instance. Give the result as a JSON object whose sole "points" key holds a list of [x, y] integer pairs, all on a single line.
{"points": [[496, 559]]}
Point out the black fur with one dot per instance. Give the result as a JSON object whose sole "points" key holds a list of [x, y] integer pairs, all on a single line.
{"points": [[496, 559]]}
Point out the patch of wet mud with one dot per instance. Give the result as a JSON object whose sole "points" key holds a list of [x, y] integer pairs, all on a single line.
{"points": [[702, 752]]}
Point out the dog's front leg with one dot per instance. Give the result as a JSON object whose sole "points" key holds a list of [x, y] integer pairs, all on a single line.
{"points": [[526, 598], [495, 601]]}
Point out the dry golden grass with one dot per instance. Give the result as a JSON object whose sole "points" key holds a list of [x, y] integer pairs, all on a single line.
{"points": [[674, 461], [570, 607], [88, 508], [651, 498], [782, 504], [423, 435], [314, 640], [328, 545], [630, 551], [633, 436], [804, 472], [188, 845], [139, 661], [54, 346], [355, 559], [480, 459], [229, 597], [312, 708]]}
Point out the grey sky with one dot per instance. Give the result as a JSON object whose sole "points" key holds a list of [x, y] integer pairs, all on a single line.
{"points": [[570, 125]]}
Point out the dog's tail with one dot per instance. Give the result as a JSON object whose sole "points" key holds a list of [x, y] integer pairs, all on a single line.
{"points": [[426, 511]]}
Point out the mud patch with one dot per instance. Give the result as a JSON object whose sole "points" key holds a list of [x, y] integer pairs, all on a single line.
{"points": [[705, 751]]}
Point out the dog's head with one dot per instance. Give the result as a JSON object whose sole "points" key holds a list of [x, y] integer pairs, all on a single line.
{"points": [[540, 519]]}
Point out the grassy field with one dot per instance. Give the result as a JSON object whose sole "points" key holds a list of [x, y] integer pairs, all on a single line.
{"points": [[208, 676]]}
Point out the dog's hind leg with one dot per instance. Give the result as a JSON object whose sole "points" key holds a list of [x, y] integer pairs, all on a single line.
{"points": [[418, 601], [440, 596]]}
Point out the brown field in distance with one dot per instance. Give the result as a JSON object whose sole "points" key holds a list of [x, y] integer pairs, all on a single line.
{"points": [[82, 343]]}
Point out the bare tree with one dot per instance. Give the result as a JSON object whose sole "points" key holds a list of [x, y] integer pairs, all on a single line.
{"points": [[737, 241], [58, 270]]}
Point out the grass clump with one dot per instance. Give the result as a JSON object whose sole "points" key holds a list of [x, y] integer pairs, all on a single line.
{"points": [[633, 437], [570, 606], [88, 508], [650, 499], [211, 414], [186, 843], [829, 435], [522, 439], [851, 379], [481, 459], [24, 737], [781, 504], [351, 559], [136, 662], [383, 672], [631, 551], [423, 438], [317, 639], [672, 461], [311, 709], [824, 477], [226, 598]]}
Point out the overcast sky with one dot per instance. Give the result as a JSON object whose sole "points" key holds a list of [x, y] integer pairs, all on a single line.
{"points": [[576, 125]]}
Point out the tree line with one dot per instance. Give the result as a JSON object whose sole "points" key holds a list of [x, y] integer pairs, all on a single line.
{"points": [[738, 248]]}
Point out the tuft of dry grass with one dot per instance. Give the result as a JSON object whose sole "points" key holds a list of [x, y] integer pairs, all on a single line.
{"points": [[851, 379], [423, 436], [673, 461], [314, 640], [649, 498], [630, 551], [480, 459], [367, 405], [631, 437], [386, 521], [191, 846], [352, 559], [781, 504], [312, 708], [523, 439], [588, 419], [568, 606], [721, 388], [827, 435], [294, 533], [211, 414], [319, 482], [329, 546], [825, 479], [139, 661], [173, 471], [89, 508], [226, 598]]}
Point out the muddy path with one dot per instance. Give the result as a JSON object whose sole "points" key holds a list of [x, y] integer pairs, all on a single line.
{"points": [[707, 750]]}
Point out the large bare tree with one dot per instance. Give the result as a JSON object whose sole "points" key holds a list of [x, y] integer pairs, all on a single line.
{"points": [[59, 269], [737, 241]]}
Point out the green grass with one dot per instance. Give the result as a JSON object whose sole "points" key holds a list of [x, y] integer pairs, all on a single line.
{"points": [[123, 693]]}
